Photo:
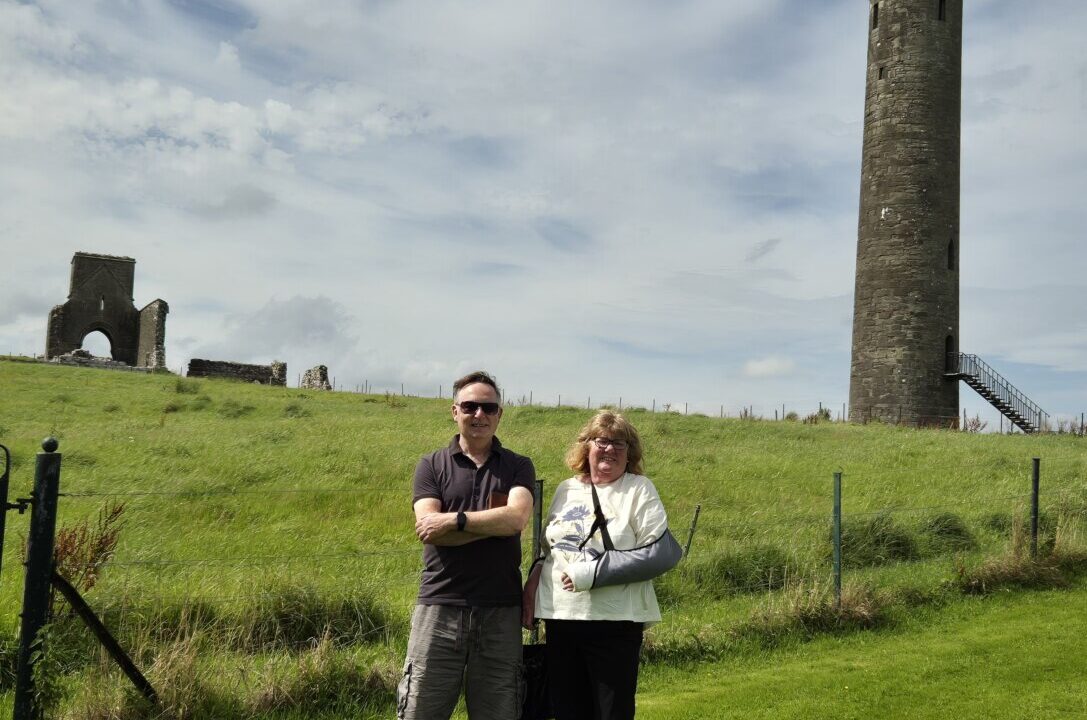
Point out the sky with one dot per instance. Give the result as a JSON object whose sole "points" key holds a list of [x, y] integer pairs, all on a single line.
{"points": [[646, 202]]}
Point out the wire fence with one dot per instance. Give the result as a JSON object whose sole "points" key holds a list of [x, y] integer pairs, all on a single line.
{"points": [[790, 531], [803, 536], [406, 544]]}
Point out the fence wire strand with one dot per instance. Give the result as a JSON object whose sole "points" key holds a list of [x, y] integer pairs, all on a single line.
{"points": [[243, 560], [927, 508], [127, 602], [800, 523], [226, 492]]}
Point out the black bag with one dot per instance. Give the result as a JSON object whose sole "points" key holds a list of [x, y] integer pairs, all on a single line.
{"points": [[537, 702]]}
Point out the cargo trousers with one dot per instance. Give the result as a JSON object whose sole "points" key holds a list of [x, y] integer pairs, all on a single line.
{"points": [[477, 647]]}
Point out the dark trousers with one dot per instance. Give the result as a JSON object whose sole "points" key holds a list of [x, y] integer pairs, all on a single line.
{"points": [[593, 668]]}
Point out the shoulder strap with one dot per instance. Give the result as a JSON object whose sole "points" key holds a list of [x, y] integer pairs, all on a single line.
{"points": [[599, 523]]}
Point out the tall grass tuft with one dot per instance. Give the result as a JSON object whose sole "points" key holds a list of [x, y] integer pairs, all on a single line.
{"points": [[1061, 558], [231, 409], [187, 689], [752, 569], [876, 540], [186, 387], [295, 410], [290, 617], [323, 679], [295, 617], [946, 532], [806, 609], [9, 655], [1011, 570], [820, 415]]}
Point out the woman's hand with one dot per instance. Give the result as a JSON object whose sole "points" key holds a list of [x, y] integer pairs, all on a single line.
{"points": [[567, 583]]}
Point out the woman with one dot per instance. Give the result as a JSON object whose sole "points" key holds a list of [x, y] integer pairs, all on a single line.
{"points": [[606, 538]]}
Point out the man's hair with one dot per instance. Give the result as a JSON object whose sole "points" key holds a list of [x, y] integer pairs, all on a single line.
{"points": [[479, 376], [606, 424]]}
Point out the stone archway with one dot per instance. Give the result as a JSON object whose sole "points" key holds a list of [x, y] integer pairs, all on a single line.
{"points": [[98, 343], [100, 299]]}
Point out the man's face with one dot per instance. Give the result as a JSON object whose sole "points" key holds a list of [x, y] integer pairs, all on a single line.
{"points": [[477, 425]]}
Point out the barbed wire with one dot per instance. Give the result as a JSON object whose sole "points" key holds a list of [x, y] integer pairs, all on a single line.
{"points": [[230, 491], [254, 560], [808, 521], [265, 559], [777, 516], [746, 525], [981, 505], [772, 584], [124, 601]]}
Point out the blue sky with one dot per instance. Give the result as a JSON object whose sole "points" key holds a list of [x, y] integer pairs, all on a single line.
{"points": [[653, 201]]}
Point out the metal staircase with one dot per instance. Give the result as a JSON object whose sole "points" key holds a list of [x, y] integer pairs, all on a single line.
{"points": [[1001, 394]]}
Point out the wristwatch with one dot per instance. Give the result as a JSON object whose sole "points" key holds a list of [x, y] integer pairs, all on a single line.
{"points": [[462, 520]]}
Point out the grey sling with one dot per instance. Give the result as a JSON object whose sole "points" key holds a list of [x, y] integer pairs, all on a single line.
{"points": [[618, 567]]}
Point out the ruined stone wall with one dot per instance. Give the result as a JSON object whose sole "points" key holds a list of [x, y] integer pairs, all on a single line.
{"points": [[316, 378], [99, 299], [274, 374], [152, 345], [906, 303], [279, 373], [82, 358]]}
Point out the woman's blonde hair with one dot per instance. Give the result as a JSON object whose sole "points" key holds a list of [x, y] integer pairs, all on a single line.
{"points": [[606, 424]]}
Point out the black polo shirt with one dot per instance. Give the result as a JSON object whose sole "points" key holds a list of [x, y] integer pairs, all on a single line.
{"points": [[487, 572]]}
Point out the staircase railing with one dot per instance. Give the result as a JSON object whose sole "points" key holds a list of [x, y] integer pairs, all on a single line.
{"points": [[1016, 406]]}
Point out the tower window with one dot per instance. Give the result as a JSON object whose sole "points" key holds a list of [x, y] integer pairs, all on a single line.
{"points": [[951, 254], [941, 11], [875, 15], [102, 303], [882, 72]]}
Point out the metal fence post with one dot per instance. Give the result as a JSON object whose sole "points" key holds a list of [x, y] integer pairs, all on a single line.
{"points": [[537, 518], [4, 476], [537, 538], [837, 539], [39, 573], [1034, 507], [690, 532]]}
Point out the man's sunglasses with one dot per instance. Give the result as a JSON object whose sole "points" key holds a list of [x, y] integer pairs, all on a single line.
{"points": [[469, 407]]}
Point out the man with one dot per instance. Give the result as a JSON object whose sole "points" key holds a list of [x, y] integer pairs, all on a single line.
{"points": [[471, 500]]}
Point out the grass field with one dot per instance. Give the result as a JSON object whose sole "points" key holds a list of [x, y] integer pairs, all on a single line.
{"points": [[1021, 655], [266, 563]]}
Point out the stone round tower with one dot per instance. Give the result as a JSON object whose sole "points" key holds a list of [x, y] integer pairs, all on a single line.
{"points": [[906, 304]]}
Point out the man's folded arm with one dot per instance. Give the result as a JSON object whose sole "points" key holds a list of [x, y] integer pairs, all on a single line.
{"points": [[439, 528], [504, 521]]}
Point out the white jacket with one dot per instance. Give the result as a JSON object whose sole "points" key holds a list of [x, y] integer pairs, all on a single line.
{"points": [[607, 586]]}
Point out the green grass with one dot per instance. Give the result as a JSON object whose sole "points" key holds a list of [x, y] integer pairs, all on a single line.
{"points": [[1008, 656], [260, 520]]}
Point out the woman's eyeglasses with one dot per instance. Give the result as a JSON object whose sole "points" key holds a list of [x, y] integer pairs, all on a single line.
{"points": [[469, 407], [603, 443]]}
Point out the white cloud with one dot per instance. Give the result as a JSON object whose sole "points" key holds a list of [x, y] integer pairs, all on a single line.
{"points": [[772, 366], [227, 60]]}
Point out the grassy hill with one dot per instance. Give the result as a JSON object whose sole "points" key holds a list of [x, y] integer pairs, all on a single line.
{"points": [[265, 563]]}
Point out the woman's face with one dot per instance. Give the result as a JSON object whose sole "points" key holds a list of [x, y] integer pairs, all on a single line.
{"points": [[607, 458]]}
